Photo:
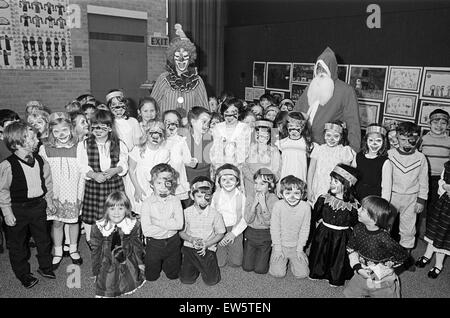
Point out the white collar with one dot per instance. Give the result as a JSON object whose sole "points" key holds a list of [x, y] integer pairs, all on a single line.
{"points": [[126, 225]]}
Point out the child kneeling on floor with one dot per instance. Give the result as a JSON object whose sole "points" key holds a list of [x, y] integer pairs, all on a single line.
{"points": [[373, 253], [203, 229], [289, 229]]}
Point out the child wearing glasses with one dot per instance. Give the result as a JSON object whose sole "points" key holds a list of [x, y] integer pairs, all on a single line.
{"points": [[128, 128], [103, 160]]}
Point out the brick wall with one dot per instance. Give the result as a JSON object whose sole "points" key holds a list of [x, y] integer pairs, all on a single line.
{"points": [[56, 88]]}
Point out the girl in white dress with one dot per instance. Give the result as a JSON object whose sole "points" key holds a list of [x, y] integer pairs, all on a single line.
{"points": [[127, 128], [180, 155], [148, 111], [325, 157], [141, 160], [295, 147]]}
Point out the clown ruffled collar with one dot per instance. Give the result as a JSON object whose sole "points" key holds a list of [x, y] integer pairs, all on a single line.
{"points": [[185, 82], [337, 204]]}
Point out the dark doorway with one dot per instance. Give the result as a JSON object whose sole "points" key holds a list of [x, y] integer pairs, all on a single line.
{"points": [[118, 55]]}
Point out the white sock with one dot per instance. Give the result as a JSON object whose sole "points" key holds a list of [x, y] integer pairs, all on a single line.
{"points": [[58, 255], [66, 234]]}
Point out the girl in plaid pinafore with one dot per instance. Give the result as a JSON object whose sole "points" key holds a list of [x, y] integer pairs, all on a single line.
{"points": [[103, 161]]}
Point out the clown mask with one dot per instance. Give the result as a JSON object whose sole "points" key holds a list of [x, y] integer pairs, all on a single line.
{"points": [[202, 197], [228, 182], [62, 133], [262, 136], [294, 130], [332, 137], [118, 107], [181, 58], [292, 196], [163, 184], [171, 122], [231, 115]]}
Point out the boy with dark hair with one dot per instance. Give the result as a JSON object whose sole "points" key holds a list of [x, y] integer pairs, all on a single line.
{"points": [[203, 229], [25, 182], [409, 183]]}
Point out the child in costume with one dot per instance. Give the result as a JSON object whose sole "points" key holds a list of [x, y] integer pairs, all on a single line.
{"points": [[271, 112], [141, 160], [261, 155], [203, 229], [162, 218], [336, 212], [61, 153], [215, 119], [257, 239], [25, 185], [375, 170], [39, 120], [325, 157], [231, 138], [180, 155], [438, 227], [103, 160], [148, 111], [229, 201], [373, 254], [127, 128], [409, 183], [80, 125], [295, 148], [117, 249], [289, 229]]}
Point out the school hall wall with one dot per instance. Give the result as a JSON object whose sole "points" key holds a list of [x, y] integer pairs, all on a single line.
{"points": [[412, 33], [57, 87]]}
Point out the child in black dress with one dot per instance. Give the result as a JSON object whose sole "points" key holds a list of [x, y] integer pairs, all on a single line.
{"points": [[373, 253], [337, 212]]}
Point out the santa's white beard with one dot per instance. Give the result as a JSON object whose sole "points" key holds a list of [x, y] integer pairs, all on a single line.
{"points": [[320, 90]]}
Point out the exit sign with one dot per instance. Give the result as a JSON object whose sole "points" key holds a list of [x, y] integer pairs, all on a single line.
{"points": [[158, 41]]}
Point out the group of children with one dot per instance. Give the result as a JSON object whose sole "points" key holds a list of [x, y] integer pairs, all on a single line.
{"points": [[249, 190]]}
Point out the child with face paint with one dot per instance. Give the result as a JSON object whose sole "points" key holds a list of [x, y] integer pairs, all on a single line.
{"points": [[61, 153], [392, 135], [271, 112], [295, 147], [148, 111], [229, 201], [261, 155], [336, 212], [436, 147], [373, 254], [257, 240], [289, 229], [161, 219], [180, 155], [258, 110], [128, 128], [375, 170], [409, 183], [25, 185], [141, 160], [103, 161], [203, 229], [117, 249], [249, 118], [39, 120], [325, 157], [231, 138], [80, 125]]}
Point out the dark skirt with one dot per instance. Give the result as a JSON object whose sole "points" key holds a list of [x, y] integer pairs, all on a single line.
{"points": [[328, 257], [438, 223], [95, 195]]}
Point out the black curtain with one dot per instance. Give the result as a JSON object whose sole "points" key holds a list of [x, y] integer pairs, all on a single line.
{"points": [[203, 23]]}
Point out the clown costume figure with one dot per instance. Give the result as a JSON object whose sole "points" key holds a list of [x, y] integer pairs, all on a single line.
{"points": [[180, 87]]}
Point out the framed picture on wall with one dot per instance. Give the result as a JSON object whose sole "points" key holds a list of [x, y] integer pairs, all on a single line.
{"points": [[401, 105], [297, 90], [404, 78], [387, 121], [368, 113], [278, 76], [302, 72], [343, 72], [436, 84], [259, 74], [426, 107], [258, 92], [369, 81], [249, 94]]}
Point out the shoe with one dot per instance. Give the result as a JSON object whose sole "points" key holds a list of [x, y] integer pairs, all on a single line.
{"points": [[48, 273], [28, 280], [76, 261], [422, 261], [56, 265], [66, 250], [434, 272]]}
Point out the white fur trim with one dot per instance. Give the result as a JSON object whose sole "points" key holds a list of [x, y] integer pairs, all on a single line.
{"points": [[126, 225], [325, 66]]}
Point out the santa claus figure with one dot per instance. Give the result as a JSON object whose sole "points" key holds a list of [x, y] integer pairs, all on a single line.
{"points": [[180, 87], [327, 98]]}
